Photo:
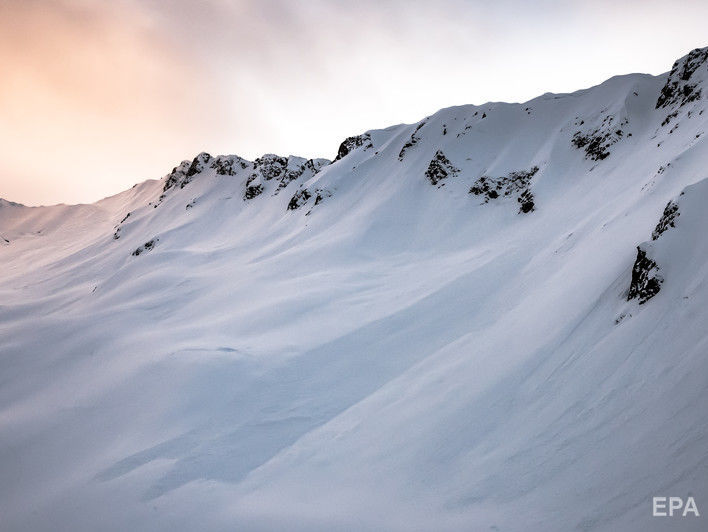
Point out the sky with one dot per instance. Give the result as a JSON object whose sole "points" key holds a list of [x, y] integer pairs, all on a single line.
{"points": [[96, 96]]}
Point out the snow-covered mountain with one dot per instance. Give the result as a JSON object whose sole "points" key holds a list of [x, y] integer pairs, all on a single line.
{"points": [[493, 319]]}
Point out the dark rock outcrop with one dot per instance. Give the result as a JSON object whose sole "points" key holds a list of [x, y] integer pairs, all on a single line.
{"points": [[183, 174], [147, 246], [228, 165], [668, 219], [646, 281], [514, 184], [296, 170], [177, 176], [681, 87], [526, 202], [270, 166], [299, 199], [303, 196], [440, 168], [596, 143], [352, 143], [412, 141], [119, 226], [252, 191], [199, 163], [283, 170], [320, 195]]}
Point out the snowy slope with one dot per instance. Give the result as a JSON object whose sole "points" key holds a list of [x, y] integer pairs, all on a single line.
{"points": [[492, 319]]}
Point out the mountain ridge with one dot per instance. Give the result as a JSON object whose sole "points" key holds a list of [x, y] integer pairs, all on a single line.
{"points": [[492, 318], [696, 57]]}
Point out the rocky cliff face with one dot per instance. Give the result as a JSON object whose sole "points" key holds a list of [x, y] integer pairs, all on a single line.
{"points": [[646, 280], [685, 83]]}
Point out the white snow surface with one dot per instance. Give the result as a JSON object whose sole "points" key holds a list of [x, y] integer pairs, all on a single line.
{"points": [[391, 355]]}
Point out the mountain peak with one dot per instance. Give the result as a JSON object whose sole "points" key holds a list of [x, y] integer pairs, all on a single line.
{"points": [[8, 203], [684, 83]]}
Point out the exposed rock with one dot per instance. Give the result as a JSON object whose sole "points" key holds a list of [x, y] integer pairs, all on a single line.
{"points": [[526, 201], [464, 131], [669, 118], [299, 199], [296, 169], [352, 143], [199, 163], [177, 176], [320, 195], [289, 177], [412, 141], [681, 86], [303, 196], [270, 166], [147, 246], [183, 174], [8, 203], [284, 170], [622, 317], [252, 191], [119, 226], [596, 143], [315, 165], [440, 168], [646, 281], [228, 164], [514, 184], [668, 219], [265, 169]]}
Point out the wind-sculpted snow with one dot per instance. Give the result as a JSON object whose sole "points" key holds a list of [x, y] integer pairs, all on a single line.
{"points": [[297, 344]]}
